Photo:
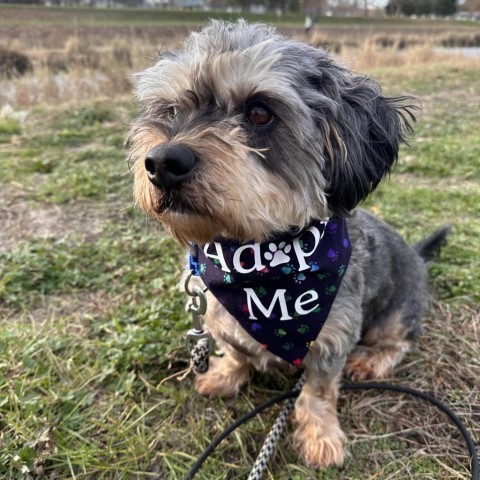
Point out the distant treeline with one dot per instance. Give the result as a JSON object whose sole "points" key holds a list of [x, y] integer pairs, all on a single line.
{"points": [[441, 8], [23, 2]]}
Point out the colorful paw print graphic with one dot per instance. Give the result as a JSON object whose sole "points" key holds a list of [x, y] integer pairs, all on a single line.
{"points": [[299, 277], [332, 255], [303, 329], [264, 271], [280, 332], [323, 275], [314, 267], [288, 269], [341, 270], [288, 346], [303, 245], [331, 290], [278, 255], [260, 291], [332, 227], [227, 278]]}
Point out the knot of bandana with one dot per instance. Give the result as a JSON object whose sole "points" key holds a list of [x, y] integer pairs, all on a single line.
{"points": [[280, 291]]}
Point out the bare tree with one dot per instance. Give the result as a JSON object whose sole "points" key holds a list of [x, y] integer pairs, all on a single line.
{"points": [[472, 5]]}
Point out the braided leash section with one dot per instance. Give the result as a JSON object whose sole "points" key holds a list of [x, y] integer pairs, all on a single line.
{"points": [[268, 447], [200, 354]]}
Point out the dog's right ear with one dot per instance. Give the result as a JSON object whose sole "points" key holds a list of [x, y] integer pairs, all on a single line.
{"points": [[362, 131]]}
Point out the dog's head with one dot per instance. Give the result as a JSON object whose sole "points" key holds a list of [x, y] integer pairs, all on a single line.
{"points": [[245, 133]]}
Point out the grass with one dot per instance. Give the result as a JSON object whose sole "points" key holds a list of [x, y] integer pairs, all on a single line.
{"points": [[32, 14], [92, 322]]}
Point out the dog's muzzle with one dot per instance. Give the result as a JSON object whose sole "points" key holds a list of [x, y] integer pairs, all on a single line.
{"points": [[169, 166]]}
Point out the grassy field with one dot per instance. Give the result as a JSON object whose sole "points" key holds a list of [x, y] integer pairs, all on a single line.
{"points": [[33, 15], [92, 325]]}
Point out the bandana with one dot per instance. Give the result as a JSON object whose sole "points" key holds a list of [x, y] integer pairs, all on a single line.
{"points": [[280, 291]]}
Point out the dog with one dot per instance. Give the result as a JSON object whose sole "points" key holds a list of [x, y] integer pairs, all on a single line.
{"points": [[254, 150]]}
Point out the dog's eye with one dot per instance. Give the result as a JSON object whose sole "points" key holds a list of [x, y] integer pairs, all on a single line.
{"points": [[171, 112], [259, 115]]}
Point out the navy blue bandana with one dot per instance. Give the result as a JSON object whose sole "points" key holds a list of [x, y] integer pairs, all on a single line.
{"points": [[280, 291]]}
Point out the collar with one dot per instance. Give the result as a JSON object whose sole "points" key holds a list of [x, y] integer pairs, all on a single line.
{"points": [[280, 291]]}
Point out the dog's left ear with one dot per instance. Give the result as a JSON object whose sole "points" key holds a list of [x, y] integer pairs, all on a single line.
{"points": [[362, 137]]}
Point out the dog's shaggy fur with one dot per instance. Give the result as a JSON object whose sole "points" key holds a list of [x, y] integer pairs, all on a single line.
{"points": [[244, 134]]}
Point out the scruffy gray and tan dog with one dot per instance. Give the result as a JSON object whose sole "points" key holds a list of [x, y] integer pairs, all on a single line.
{"points": [[256, 149]]}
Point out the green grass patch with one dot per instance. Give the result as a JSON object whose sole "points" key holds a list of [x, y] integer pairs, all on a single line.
{"points": [[9, 127], [456, 155], [51, 16], [70, 154]]}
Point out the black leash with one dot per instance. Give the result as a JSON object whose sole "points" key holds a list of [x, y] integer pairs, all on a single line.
{"points": [[474, 462]]}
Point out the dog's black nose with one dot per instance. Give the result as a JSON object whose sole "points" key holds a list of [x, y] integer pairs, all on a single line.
{"points": [[168, 166]]}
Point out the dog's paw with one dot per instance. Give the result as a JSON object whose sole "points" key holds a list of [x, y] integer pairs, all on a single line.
{"points": [[221, 381], [321, 447], [359, 366], [373, 363]]}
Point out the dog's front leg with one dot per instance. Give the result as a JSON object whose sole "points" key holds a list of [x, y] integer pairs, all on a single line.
{"points": [[318, 435], [225, 376]]}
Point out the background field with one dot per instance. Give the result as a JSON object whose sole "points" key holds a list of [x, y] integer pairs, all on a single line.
{"points": [[91, 323]]}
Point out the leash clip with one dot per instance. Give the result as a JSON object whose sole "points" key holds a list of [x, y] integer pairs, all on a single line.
{"points": [[198, 341]]}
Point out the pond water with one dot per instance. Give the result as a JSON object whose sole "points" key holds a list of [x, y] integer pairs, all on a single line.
{"points": [[467, 52]]}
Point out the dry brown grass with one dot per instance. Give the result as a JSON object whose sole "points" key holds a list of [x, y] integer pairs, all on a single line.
{"points": [[395, 50], [443, 365], [89, 65], [78, 71]]}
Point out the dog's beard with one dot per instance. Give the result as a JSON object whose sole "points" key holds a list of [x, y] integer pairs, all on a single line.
{"points": [[177, 202]]}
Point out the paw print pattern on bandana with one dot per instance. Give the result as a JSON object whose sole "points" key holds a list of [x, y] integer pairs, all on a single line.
{"points": [[332, 254], [267, 287], [332, 228], [303, 329], [261, 292], [299, 277], [314, 267], [288, 269], [331, 290], [278, 255]]}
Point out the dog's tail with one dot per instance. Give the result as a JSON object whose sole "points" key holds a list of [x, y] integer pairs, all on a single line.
{"points": [[429, 248]]}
